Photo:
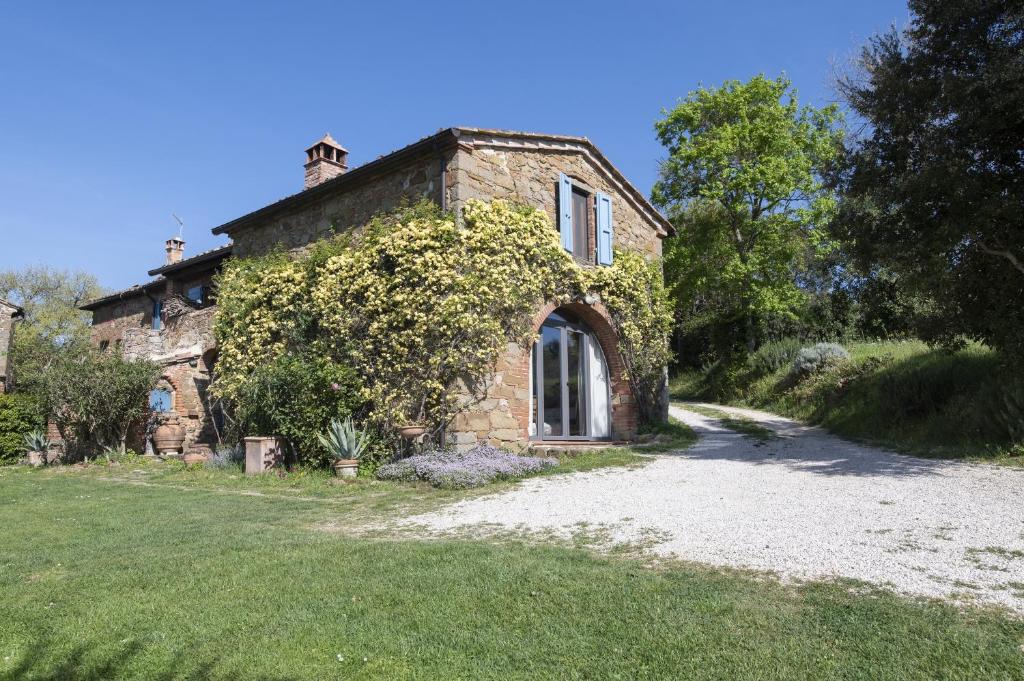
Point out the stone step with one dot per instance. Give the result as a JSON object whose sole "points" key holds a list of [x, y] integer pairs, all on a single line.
{"points": [[570, 448]]}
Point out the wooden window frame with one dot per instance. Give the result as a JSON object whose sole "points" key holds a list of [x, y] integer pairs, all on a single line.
{"points": [[589, 255]]}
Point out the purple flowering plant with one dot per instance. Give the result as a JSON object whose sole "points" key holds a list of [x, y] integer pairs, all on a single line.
{"points": [[454, 470]]}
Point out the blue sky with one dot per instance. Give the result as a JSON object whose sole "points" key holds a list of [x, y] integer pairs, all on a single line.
{"points": [[113, 116]]}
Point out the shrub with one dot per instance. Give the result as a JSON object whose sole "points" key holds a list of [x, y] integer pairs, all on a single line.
{"points": [[1007, 409], [295, 396], [774, 355], [817, 357], [479, 466], [226, 457], [95, 397], [19, 414]]}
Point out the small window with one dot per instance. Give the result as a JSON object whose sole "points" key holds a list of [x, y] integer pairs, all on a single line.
{"points": [[158, 309], [160, 400], [195, 294]]}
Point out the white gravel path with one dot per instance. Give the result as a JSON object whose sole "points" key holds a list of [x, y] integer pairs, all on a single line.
{"points": [[804, 505]]}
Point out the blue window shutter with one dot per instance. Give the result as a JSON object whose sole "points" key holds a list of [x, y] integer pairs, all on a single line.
{"points": [[565, 210], [604, 229]]}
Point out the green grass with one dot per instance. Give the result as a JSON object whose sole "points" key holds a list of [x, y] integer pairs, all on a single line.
{"points": [[666, 436], [193, 575], [746, 426], [902, 395]]}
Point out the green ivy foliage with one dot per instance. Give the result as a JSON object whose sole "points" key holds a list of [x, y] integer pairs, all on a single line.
{"points": [[417, 307]]}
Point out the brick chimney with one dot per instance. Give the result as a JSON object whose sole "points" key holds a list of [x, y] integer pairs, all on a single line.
{"points": [[175, 247], [325, 160]]}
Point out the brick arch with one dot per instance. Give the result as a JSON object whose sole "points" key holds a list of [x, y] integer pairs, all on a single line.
{"points": [[175, 388], [624, 416]]}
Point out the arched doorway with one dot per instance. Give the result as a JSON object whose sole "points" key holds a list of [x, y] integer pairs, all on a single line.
{"points": [[569, 382]]}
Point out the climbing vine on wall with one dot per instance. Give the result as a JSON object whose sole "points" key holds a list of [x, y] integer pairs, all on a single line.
{"points": [[421, 306]]}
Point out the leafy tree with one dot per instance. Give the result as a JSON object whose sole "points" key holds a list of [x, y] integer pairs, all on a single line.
{"points": [[934, 188], [50, 299], [742, 183], [94, 397]]}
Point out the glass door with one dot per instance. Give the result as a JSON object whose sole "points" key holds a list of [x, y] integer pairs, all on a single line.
{"points": [[560, 392]]}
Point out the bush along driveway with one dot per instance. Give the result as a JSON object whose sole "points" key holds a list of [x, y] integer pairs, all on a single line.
{"points": [[766, 493]]}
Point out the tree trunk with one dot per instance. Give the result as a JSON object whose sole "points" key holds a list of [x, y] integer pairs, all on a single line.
{"points": [[750, 332]]}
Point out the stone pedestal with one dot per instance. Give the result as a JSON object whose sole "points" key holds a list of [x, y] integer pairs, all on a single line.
{"points": [[262, 454]]}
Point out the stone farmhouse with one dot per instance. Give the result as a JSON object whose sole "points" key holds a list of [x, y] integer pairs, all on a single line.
{"points": [[568, 387]]}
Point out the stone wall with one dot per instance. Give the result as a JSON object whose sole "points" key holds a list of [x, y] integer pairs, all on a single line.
{"points": [[530, 176], [297, 229], [183, 348], [110, 323]]}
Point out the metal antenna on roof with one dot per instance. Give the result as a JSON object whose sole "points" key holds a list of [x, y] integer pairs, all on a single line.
{"points": [[181, 225]]}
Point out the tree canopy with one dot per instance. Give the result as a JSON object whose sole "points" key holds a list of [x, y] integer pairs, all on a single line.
{"points": [[50, 299], [934, 187], [742, 183]]}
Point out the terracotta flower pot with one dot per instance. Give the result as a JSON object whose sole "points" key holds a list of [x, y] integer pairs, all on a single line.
{"points": [[36, 459], [345, 468], [168, 438], [192, 458], [410, 431]]}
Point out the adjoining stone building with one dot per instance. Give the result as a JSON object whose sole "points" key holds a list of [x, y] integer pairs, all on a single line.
{"points": [[9, 314], [569, 386]]}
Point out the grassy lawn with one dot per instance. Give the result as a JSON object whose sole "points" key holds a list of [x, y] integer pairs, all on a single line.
{"points": [[901, 395], [196, 574]]}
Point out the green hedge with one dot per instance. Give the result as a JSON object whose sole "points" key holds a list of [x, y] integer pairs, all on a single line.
{"points": [[19, 414]]}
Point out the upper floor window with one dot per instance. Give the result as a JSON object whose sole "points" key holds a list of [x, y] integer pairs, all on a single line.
{"points": [[200, 296], [584, 222], [580, 224]]}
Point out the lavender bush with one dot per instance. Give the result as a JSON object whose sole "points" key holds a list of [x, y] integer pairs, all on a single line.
{"points": [[817, 357], [451, 470]]}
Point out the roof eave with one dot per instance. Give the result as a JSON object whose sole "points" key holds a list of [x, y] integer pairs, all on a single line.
{"points": [[133, 292], [195, 261]]}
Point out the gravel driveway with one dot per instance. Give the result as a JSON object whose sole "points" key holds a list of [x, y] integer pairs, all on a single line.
{"points": [[804, 504]]}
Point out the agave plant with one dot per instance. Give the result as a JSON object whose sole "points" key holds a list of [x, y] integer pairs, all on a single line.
{"points": [[36, 441], [343, 440]]}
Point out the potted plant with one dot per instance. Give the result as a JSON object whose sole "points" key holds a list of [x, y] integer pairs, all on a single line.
{"points": [[414, 427], [346, 445], [411, 430], [36, 446]]}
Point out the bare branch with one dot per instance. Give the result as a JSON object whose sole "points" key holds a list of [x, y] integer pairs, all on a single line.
{"points": [[1006, 254]]}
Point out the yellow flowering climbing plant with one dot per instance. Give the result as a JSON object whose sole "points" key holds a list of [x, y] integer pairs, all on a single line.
{"points": [[421, 306]]}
